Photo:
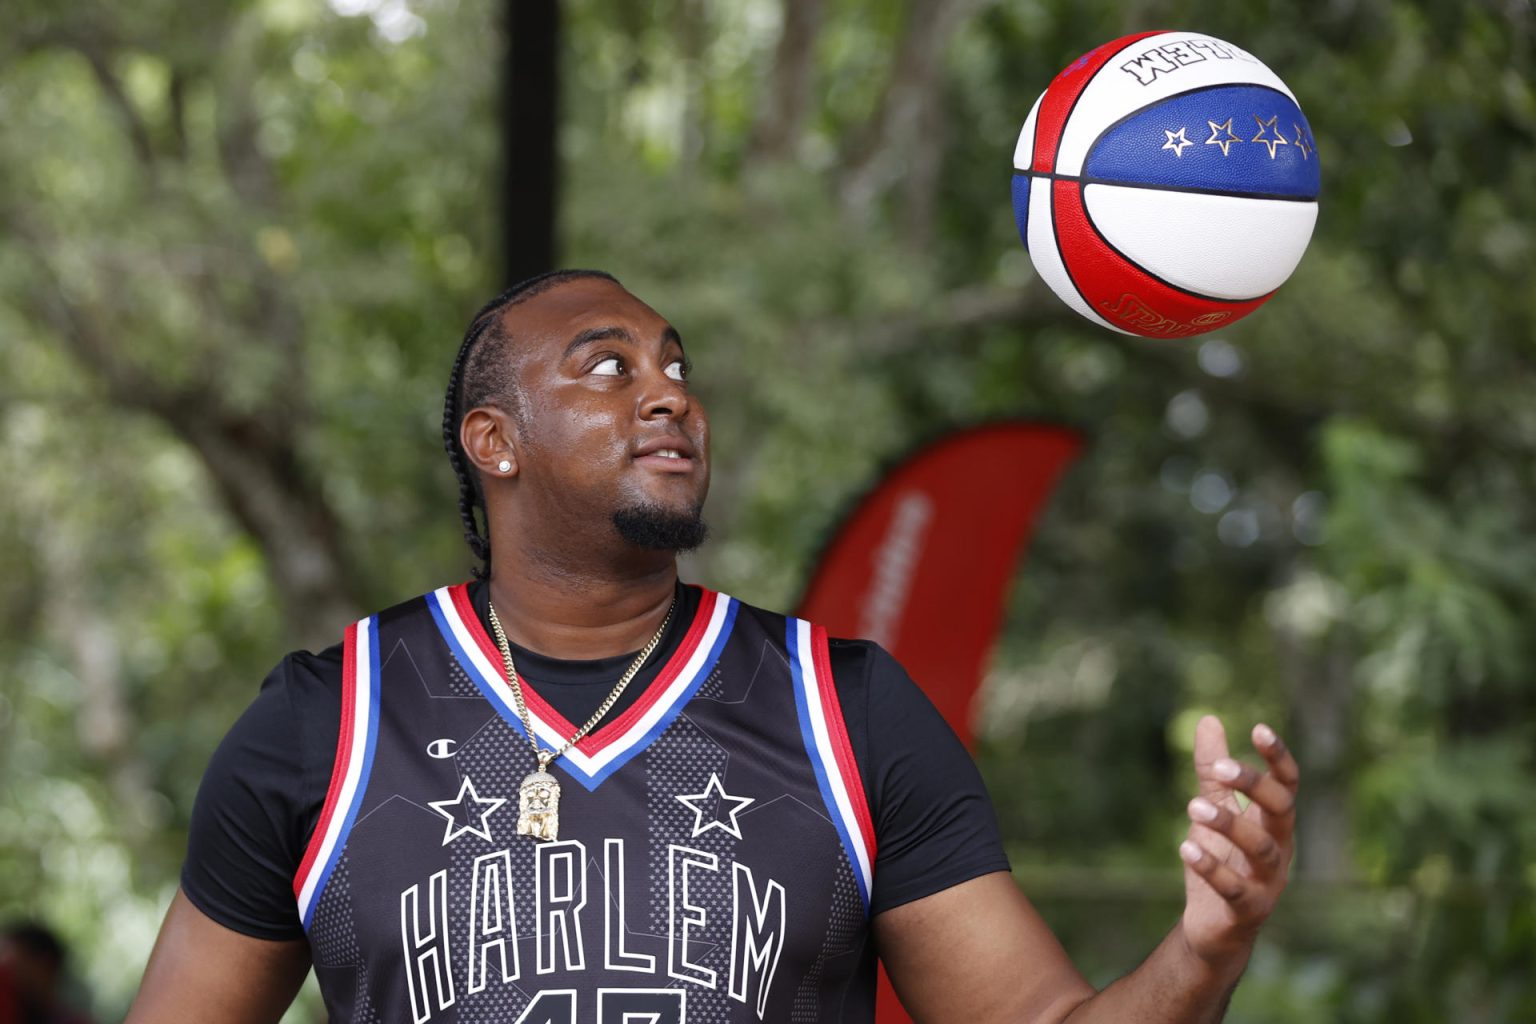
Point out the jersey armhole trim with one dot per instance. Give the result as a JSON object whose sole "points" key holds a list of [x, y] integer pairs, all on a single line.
{"points": [[354, 760], [831, 754]]}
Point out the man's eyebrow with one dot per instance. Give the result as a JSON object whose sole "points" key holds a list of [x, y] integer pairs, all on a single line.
{"points": [[592, 334], [614, 332]]}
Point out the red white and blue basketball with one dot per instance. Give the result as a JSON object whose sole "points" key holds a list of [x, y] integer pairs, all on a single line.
{"points": [[1165, 184]]}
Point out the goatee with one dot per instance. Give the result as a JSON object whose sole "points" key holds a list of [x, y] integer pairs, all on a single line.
{"points": [[659, 528]]}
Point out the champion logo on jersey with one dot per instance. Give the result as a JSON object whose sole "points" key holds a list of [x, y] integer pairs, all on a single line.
{"points": [[606, 749]]}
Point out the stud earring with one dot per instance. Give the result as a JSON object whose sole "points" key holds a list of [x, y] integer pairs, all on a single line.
{"points": [[504, 465]]}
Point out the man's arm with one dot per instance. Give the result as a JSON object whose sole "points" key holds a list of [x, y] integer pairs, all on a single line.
{"points": [[978, 952], [201, 971]]}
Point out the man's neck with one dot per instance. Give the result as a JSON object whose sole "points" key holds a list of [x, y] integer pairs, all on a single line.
{"points": [[579, 617]]}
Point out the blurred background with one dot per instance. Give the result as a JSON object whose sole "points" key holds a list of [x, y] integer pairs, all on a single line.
{"points": [[239, 242]]}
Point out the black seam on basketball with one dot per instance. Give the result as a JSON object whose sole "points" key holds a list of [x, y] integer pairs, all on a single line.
{"points": [[1088, 216], [1068, 119], [1061, 256], [1187, 92], [1193, 189]]}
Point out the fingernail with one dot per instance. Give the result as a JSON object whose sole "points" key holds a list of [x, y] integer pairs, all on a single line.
{"points": [[1190, 852], [1265, 735], [1202, 809], [1226, 769]]}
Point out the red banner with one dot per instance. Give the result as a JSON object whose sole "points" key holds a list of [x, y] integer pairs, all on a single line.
{"points": [[923, 562]]}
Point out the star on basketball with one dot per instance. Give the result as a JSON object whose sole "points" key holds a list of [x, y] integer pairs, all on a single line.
{"points": [[1301, 141], [1217, 140], [710, 803], [1273, 141], [465, 807], [1176, 141]]}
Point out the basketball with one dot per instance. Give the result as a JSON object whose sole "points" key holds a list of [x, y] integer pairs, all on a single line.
{"points": [[1165, 184]]}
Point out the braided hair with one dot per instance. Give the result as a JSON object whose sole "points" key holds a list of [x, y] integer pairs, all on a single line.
{"points": [[480, 376]]}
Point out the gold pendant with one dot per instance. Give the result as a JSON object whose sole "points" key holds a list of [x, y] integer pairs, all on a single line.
{"points": [[538, 805]]}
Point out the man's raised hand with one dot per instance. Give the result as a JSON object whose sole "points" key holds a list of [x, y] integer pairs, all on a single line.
{"points": [[1235, 859]]}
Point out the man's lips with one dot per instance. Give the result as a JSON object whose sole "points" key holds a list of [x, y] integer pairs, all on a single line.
{"points": [[671, 454]]}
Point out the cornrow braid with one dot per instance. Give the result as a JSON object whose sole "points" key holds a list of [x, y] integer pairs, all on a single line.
{"points": [[480, 375]]}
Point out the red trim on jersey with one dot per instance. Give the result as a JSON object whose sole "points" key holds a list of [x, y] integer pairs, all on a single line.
{"points": [[343, 757], [1121, 292], [607, 732], [837, 731], [1062, 95]]}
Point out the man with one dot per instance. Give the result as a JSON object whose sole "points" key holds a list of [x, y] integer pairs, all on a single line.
{"points": [[734, 836], [32, 961]]}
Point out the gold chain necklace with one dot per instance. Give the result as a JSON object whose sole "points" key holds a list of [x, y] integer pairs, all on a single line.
{"points": [[538, 805]]}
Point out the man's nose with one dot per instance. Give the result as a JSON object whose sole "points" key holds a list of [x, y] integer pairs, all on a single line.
{"points": [[663, 396]]}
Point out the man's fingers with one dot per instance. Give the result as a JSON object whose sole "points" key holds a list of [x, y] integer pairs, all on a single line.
{"points": [[1281, 764], [1263, 853], [1210, 747], [1260, 787], [1221, 877]]}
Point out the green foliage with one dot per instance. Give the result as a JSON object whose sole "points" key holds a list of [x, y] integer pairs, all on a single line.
{"points": [[241, 240]]}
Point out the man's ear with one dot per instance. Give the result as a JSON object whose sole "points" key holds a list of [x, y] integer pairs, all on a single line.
{"points": [[487, 437]]}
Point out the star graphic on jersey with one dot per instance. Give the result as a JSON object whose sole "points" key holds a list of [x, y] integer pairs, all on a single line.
{"points": [[1176, 141], [702, 805], [1274, 141], [1217, 140], [465, 807]]}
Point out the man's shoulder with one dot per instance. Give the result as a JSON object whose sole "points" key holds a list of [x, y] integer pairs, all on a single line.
{"points": [[435, 602], [303, 679], [851, 660]]}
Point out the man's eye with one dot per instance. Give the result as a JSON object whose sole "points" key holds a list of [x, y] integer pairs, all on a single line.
{"points": [[676, 370], [610, 367]]}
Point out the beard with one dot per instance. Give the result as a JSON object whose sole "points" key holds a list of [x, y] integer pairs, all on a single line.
{"points": [[658, 528]]}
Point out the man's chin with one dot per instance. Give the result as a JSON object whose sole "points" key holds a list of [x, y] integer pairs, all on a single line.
{"points": [[660, 528]]}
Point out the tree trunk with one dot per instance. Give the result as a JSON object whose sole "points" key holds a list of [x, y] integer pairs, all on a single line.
{"points": [[912, 100], [258, 474], [781, 115], [1319, 676]]}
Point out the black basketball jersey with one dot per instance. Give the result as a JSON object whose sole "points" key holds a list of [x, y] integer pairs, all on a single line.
{"points": [[714, 849]]}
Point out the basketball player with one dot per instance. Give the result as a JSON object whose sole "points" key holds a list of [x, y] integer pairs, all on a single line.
{"points": [[577, 789]]}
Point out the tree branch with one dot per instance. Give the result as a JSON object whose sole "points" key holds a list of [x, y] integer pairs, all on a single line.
{"points": [[249, 172], [781, 115], [138, 133], [75, 325], [884, 153], [253, 460]]}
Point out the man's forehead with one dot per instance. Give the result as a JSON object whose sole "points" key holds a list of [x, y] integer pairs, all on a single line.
{"points": [[575, 306]]}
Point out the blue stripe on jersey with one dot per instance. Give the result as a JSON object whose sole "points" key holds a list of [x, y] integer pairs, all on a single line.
{"points": [[808, 734], [367, 770], [672, 712], [591, 782], [468, 665]]}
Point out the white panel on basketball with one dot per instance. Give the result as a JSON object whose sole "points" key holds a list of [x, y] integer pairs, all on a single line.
{"points": [[1047, 258], [1226, 247], [1024, 151], [1116, 92]]}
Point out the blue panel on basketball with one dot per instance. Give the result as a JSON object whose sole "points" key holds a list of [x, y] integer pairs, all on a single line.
{"points": [[1239, 139], [1021, 206]]}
